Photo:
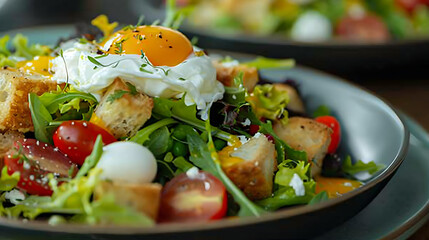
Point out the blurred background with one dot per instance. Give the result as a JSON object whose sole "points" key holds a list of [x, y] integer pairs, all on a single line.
{"points": [[382, 45]]}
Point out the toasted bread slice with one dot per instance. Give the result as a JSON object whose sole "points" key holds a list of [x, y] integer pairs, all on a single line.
{"points": [[123, 117], [254, 175], [295, 102], [144, 198], [227, 74], [14, 88], [307, 135]]}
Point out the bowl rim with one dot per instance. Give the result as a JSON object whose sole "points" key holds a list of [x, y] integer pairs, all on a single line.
{"points": [[39, 225]]}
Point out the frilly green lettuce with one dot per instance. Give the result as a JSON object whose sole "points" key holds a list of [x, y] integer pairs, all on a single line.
{"points": [[285, 195], [269, 102]]}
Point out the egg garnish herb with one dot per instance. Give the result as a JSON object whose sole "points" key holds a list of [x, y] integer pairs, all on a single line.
{"points": [[158, 61]]}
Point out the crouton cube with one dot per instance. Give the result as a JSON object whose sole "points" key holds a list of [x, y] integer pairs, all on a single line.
{"points": [[226, 75], [307, 135], [123, 116], [144, 198], [14, 89], [251, 166]]}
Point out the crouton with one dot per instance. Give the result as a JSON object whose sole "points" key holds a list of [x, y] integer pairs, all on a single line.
{"points": [[144, 198], [124, 116], [226, 75], [307, 135], [251, 166], [295, 102], [14, 88]]}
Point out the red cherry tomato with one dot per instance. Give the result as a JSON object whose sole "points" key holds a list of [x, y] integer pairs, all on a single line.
{"points": [[192, 199], [34, 160], [77, 138], [367, 28], [336, 131], [410, 5]]}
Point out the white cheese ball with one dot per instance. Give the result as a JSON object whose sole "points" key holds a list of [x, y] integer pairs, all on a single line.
{"points": [[127, 162], [312, 27]]}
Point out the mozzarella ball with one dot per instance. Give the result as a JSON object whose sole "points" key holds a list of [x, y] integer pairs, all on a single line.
{"points": [[312, 27], [127, 162]]}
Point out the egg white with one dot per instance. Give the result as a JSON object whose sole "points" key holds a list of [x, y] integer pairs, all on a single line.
{"points": [[196, 76]]}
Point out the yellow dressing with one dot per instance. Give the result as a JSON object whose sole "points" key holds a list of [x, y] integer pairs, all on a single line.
{"points": [[40, 65], [335, 187], [225, 157]]}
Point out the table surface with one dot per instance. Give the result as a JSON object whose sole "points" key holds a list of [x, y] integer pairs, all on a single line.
{"points": [[408, 93]]}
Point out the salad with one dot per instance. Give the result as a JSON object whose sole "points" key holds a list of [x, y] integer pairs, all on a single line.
{"points": [[137, 126], [315, 21]]}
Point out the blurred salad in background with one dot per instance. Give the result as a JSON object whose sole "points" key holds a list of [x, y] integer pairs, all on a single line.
{"points": [[315, 20]]}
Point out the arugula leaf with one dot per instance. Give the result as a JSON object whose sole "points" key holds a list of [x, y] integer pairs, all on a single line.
{"points": [[92, 160], [349, 168], [202, 156], [320, 197], [177, 109], [54, 101], [120, 93], [143, 135], [158, 141], [267, 63], [44, 108], [40, 117], [285, 196]]}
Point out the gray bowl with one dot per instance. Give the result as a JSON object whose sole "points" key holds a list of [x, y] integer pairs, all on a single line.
{"points": [[372, 130]]}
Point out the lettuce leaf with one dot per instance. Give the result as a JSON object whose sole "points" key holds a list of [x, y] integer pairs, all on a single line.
{"points": [[51, 108], [351, 168], [8, 182], [285, 195], [75, 197], [267, 63], [269, 102], [23, 49]]}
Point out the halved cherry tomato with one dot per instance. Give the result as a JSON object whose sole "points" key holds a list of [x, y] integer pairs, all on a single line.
{"points": [[366, 28], [77, 138], [410, 5], [34, 160], [193, 198], [333, 123]]}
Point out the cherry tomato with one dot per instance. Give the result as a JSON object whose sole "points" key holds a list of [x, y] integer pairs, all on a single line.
{"points": [[34, 160], [198, 197], [367, 28], [410, 5], [336, 131], [77, 138]]}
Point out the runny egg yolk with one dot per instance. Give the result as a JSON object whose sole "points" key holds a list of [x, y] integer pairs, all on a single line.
{"points": [[335, 187], [40, 65], [162, 46]]}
